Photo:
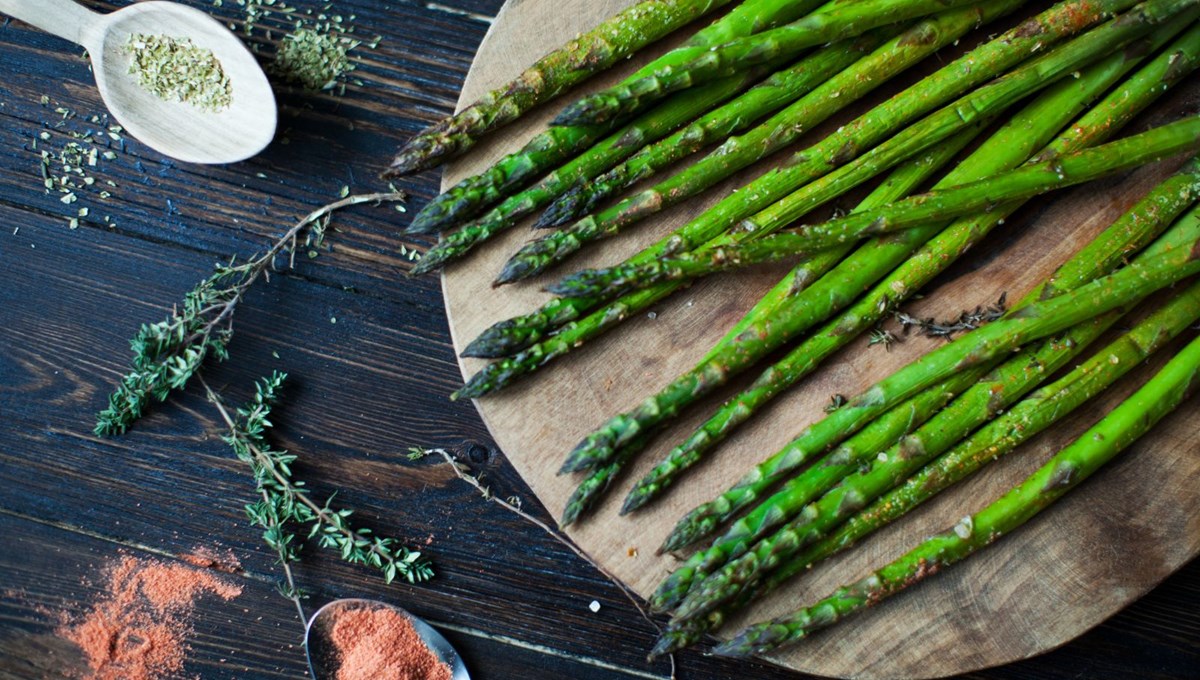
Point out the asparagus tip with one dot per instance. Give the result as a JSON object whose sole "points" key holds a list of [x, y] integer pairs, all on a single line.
{"points": [[635, 499], [570, 514], [513, 270], [425, 222], [479, 348], [666, 644], [585, 111], [735, 647], [430, 261], [562, 210], [408, 161], [677, 540]]}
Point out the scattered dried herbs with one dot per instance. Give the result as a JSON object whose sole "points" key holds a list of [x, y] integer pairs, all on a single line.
{"points": [[312, 59], [71, 149], [176, 69], [314, 50]]}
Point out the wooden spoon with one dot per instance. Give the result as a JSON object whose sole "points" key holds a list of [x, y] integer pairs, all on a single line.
{"points": [[177, 129]]}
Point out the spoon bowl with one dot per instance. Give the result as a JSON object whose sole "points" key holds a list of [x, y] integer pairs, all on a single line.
{"points": [[322, 658], [177, 129]]}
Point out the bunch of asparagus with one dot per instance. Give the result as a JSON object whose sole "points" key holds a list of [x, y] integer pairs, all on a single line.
{"points": [[1041, 105]]}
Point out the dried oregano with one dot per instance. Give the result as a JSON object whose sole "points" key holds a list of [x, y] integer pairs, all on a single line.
{"points": [[176, 69]]}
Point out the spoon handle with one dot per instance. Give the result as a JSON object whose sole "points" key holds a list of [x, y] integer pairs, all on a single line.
{"points": [[63, 18]]}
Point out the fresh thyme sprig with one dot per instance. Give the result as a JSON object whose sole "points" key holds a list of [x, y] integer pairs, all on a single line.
{"points": [[167, 354], [285, 502]]}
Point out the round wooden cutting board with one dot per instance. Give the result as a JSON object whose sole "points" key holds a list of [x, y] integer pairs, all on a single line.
{"points": [[1076, 564]]}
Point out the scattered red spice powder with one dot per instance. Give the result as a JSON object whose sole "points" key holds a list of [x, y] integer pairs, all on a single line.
{"points": [[211, 558], [379, 642], [139, 630]]}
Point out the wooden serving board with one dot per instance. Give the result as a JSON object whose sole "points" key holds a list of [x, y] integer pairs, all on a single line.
{"points": [[1098, 550]]}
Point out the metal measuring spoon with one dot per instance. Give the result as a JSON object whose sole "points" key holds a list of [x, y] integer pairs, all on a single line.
{"points": [[323, 662], [176, 129]]}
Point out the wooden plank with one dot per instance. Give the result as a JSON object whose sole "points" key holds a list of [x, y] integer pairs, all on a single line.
{"points": [[1034, 591]]}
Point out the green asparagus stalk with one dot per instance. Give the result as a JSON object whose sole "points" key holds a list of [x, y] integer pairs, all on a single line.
{"points": [[920, 135], [740, 537], [838, 23], [911, 272], [646, 128], [959, 355], [1016, 185], [1035, 414], [809, 522], [1031, 416], [734, 117], [1044, 408], [1039, 413], [590, 53], [556, 145], [984, 344], [592, 488], [785, 127], [719, 366], [1075, 463], [976, 67], [1133, 229], [951, 202], [976, 405], [902, 182]]}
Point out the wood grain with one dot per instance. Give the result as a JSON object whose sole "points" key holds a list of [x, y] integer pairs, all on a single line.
{"points": [[1080, 562]]}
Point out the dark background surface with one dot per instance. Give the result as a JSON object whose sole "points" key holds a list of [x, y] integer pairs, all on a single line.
{"points": [[371, 365]]}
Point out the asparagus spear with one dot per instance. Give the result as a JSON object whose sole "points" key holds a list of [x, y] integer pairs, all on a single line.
{"points": [[1016, 185], [720, 365], [594, 51], [734, 117], [786, 126], [556, 145], [984, 344], [903, 181], [837, 23], [740, 537], [911, 273], [1115, 432], [592, 488], [976, 405], [1034, 414], [951, 202], [620, 144], [928, 131], [514, 335], [972, 349]]}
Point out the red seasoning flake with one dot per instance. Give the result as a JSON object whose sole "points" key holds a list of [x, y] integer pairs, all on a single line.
{"points": [[139, 630], [377, 642]]}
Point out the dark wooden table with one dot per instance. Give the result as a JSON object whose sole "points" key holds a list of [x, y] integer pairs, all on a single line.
{"points": [[371, 365]]}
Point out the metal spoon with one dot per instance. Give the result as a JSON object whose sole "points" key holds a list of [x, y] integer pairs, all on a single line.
{"points": [[323, 663], [176, 129]]}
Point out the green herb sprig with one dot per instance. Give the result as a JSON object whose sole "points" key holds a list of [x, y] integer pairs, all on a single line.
{"points": [[285, 502], [167, 354]]}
